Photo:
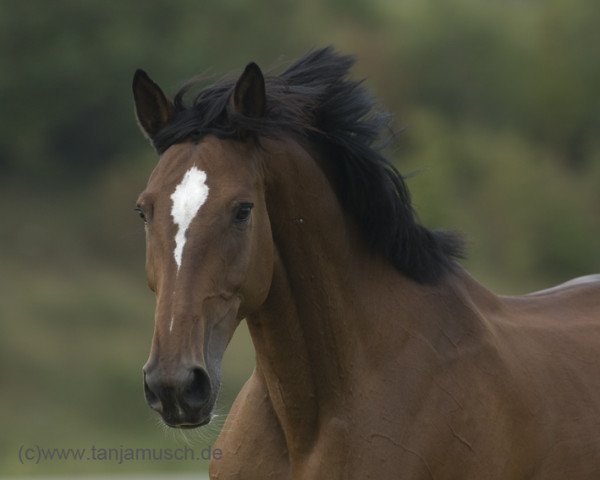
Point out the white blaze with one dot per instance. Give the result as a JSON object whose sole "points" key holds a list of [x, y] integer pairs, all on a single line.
{"points": [[188, 197]]}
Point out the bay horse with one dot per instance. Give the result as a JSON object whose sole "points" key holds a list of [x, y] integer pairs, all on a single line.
{"points": [[377, 355]]}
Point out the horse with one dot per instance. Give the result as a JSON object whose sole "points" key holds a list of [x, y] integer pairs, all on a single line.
{"points": [[377, 354]]}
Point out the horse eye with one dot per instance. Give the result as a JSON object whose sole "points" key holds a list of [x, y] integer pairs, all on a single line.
{"points": [[141, 213], [242, 213]]}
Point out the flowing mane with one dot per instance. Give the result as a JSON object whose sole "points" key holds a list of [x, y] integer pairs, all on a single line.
{"points": [[315, 102]]}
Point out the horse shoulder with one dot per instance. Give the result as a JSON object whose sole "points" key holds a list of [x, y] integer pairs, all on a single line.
{"points": [[251, 443]]}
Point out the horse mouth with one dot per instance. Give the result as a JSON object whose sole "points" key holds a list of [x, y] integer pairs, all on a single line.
{"points": [[189, 426]]}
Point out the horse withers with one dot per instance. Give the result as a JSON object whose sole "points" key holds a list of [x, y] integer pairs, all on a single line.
{"points": [[377, 355]]}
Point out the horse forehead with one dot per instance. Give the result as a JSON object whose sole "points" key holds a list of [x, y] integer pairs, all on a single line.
{"points": [[219, 159]]}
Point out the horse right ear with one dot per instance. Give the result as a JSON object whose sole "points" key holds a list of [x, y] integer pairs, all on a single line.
{"points": [[152, 108]]}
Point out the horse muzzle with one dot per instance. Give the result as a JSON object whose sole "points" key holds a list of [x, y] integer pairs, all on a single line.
{"points": [[183, 398]]}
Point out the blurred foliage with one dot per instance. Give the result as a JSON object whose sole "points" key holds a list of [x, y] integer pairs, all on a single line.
{"points": [[501, 107]]}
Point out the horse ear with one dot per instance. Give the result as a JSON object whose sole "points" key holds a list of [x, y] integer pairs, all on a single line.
{"points": [[249, 96], [152, 108]]}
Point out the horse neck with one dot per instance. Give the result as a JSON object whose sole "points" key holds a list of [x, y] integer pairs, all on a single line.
{"points": [[334, 309]]}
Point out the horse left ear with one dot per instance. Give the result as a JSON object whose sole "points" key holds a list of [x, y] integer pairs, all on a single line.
{"points": [[249, 97], [152, 108]]}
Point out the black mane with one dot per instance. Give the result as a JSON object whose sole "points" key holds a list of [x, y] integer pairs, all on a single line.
{"points": [[315, 101]]}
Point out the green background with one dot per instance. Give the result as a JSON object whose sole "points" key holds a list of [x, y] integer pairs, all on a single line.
{"points": [[499, 99]]}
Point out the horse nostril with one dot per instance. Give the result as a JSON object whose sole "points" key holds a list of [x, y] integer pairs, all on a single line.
{"points": [[197, 392], [151, 398]]}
